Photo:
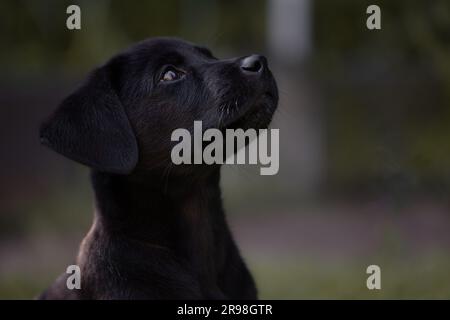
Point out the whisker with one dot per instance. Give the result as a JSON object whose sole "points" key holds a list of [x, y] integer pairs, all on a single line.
{"points": [[166, 174]]}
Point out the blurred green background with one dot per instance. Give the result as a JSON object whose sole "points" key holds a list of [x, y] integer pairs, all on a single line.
{"points": [[364, 127]]}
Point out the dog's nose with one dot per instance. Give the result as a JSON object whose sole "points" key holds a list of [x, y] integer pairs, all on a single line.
{"points": [[254, 63]]}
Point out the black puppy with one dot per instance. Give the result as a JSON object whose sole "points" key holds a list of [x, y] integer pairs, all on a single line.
{"points": [[159, 230]]}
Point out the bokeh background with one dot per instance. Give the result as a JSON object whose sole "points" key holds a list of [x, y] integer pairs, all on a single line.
{"points": [[364, 121]]}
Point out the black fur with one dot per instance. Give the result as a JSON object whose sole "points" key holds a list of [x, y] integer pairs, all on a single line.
{"points": [[159, 230]]}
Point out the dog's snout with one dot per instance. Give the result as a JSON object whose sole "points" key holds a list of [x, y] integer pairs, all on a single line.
{"points": [[254, 64]]}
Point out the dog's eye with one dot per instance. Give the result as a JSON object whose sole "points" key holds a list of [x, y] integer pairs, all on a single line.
{"points": [[171, 74]]}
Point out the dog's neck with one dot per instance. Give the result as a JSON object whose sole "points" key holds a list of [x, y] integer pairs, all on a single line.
{"points": [[181, 216]]}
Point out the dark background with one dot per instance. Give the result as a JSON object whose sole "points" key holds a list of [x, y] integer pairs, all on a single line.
{"points": [[364, 132]]}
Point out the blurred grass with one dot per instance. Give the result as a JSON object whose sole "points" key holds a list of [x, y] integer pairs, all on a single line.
{"points": [[424, 278], [22, 287]]}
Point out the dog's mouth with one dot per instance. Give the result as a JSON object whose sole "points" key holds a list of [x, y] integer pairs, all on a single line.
{"points": [[244, 121], [256, 116]]}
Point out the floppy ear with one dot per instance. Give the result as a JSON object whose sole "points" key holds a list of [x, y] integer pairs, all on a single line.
{"points": [[91, 127]]}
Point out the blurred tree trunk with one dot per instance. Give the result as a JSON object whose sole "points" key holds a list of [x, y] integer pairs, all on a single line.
{"points": [[301, 139]]}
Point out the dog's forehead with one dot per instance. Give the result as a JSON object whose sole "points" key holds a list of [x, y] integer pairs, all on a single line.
{"points": [[167, 45], [159, 50]]}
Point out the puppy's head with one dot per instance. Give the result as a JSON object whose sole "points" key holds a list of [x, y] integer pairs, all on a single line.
{"points": [[122, 117]]}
